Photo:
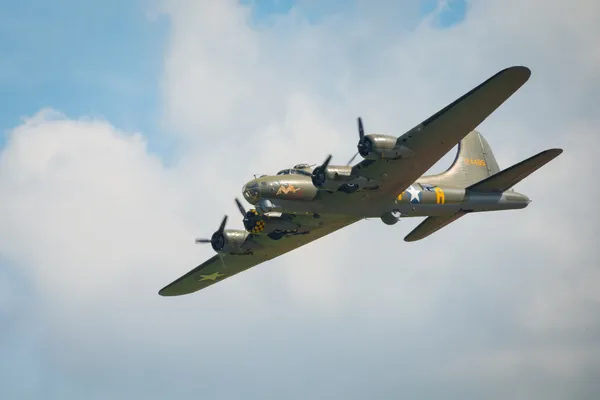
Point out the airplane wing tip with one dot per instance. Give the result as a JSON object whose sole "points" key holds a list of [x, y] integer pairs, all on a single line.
{"points": [[165, 292], [551, 153], [170, 291], [411, 238], [521, 69], [520, 73], [556, 151]]}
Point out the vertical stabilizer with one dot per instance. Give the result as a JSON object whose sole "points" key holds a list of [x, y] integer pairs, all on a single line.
{"points": [[474, 162]]}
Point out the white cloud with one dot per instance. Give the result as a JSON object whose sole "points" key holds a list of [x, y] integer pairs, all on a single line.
{"points": [[98, 224]]}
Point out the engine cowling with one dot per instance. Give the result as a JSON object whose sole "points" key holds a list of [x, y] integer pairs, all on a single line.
{"points": [[229, 241], [377, 147], [261, 224], [339, 177], [331, 177]]}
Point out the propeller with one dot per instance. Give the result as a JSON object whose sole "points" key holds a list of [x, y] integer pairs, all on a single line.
{"points": [[217, 239], [364, 145], [352, 159], [318, 174], [240, 207], [361, 129], [249, 216]]}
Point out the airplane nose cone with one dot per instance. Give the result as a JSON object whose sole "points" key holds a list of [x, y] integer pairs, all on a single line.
{"points": [[251, 192]]}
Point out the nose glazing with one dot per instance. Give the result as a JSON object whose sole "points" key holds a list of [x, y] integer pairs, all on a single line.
{"points": [[251, 192]]}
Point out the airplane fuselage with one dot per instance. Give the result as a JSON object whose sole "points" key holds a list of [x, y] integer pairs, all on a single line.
{"points": [[296, 194]]}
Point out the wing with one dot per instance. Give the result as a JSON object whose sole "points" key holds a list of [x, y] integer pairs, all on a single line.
{"points": [[431, 225], [437, 135], [217, 269]]}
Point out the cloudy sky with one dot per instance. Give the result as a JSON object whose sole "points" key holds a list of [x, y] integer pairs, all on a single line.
{"points": [[129, 127]]}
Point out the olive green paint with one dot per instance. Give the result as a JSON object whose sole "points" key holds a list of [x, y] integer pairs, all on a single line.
{"points": [[303, 204]]}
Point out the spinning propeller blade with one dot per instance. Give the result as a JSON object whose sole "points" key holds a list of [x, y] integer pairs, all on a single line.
{"points": [[326, 162], [361, 130], [364, 143], [318, 174], [352, 159], [361, 137], [240, 207], [222, 226], [215, 235]]}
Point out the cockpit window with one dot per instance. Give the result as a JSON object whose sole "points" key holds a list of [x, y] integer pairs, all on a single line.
{"points": [[251, 192], [293, 171]]}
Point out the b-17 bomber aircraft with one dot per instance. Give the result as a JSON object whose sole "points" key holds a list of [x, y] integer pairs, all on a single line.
{"points": [[302, 204]]}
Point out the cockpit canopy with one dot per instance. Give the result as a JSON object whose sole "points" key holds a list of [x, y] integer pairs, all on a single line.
{"points": [[293, 171], [301, 166], [299, 169]]}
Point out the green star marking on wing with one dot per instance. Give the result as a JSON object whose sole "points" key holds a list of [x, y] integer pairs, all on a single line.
{"points": [[211, 277]]}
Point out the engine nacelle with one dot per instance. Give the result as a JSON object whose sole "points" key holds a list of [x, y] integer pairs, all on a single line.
{"points": [[231, 241], [377, 147], [339, 177], [265, 224]]}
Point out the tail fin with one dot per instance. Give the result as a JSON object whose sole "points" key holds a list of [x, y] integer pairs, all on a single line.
{"points": [[474, 162], [515, 174]]}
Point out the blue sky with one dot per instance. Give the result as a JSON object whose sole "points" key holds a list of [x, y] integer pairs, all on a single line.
{"points": [[89, 58], [84, 58], [452, 13]]}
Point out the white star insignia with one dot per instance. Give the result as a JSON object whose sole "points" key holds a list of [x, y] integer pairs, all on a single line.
{"points": [[414, 194]]}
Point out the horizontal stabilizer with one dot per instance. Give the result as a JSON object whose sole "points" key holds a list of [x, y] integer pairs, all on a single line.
{"points": [[509, 177], [431, 225]]}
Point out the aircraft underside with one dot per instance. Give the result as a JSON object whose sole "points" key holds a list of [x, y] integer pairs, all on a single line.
{"points": [[301, 204], [419, 200]]}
